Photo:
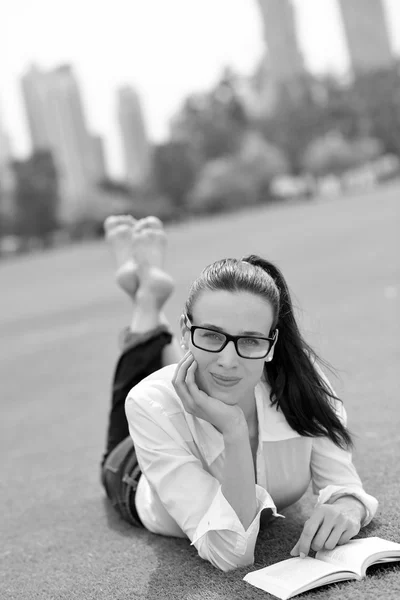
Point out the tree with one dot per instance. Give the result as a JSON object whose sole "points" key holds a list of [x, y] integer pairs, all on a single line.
{"points": [[222, 184], [331, 154], [378, 96], [174, 170], [242, 179], [212, 123], [261, 160], [367, 149]]}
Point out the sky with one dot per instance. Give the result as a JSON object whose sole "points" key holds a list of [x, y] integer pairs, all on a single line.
{"points": [[166, 49]]}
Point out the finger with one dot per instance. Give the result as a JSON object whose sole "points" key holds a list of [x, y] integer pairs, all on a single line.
{"points": [[191, 371], [295, 550], [194, 391], [190, 377], [334, 538], [181, 369], [184, 359], [309, 530], [345, 537], [179, 383], [188, 355], [197, 394], [323, 534]]}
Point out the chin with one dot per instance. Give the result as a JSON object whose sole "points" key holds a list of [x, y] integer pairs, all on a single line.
{"points": [[227, 396]]}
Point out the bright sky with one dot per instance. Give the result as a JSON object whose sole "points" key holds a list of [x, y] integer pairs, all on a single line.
{"points": [[166, 49]]}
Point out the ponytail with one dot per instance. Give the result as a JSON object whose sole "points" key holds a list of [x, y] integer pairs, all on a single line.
{"points": [[297, 387]]}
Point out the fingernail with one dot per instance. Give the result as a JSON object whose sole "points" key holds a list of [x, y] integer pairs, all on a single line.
{"points": [[302, 555]]}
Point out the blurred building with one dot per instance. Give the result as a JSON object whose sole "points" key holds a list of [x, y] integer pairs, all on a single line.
{"points": [[34, 86], [57, 123], [98, 157], [36, 195], [367, 34], [135, 144], [285, 59], [7, 180]]}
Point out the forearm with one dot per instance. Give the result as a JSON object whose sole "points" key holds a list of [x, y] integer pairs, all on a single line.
{"points": [[238, 479]]}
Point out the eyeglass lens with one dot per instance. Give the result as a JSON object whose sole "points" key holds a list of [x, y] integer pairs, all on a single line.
{"points": [[213, 341]]}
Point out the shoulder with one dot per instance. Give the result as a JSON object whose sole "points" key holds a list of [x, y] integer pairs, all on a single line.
{"points": [[155, 393], [155, 414]]}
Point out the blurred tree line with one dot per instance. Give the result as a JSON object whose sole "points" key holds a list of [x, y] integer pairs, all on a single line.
{"points": [[223, 154]]}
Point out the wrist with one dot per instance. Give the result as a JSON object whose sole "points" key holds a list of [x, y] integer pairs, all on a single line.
{"points": [[352, 503], [235, 429]]}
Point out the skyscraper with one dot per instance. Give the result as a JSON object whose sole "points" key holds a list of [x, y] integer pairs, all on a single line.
{"points": [[98, 157], [135, 145], [5, 147], [57, 123], [285, 58], [34, 86], [366, 34], [7, 180]]}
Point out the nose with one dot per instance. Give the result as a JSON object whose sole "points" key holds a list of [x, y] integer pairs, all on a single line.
{"points": [[228, 357]]}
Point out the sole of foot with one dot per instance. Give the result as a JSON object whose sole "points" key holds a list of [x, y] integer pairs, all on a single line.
{"points": [[155, 287], [149, 245], [118, 232]]}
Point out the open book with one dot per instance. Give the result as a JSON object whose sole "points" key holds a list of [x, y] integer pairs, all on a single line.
{"points": [[290, 577]]}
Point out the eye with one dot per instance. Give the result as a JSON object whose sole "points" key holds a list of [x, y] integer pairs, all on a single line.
{"points": [[211, 335], [251, 341]]}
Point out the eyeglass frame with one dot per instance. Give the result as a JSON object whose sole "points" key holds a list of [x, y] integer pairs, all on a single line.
{"points": [[232, 338]]}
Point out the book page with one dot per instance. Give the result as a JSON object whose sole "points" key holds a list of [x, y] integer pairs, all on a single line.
{"points": [[356, 555], [288, 577]]}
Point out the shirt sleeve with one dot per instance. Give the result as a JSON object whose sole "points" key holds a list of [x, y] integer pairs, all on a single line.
{"points": [[333, 472], [191, 495]]}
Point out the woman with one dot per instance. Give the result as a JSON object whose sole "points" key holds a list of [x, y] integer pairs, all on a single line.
{"points": [[241, 423]]}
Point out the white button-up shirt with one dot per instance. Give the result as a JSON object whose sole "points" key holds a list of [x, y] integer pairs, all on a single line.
{"points": [[181, 458]]}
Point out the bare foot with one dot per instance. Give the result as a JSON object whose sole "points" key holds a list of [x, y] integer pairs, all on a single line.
{"points": [[151, 223], [149, 245], [119, 234]]}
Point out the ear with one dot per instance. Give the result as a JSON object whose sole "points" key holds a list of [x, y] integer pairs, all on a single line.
{"points": [[271, 352], [185, 333]]}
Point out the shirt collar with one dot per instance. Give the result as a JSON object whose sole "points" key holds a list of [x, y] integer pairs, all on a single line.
{"points": [[272, 426]]}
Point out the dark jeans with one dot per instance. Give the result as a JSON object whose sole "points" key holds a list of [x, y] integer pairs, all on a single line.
{"points": [[120, 472]]}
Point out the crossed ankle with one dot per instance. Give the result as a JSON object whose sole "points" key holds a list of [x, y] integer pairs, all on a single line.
{"points": [[149, 302]]}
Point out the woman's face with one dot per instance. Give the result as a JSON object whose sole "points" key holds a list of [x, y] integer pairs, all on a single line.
{"points": [[225, 375]]}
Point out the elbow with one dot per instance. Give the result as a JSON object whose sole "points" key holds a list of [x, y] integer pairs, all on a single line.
{"points": [[223, 557], [228, 564]]}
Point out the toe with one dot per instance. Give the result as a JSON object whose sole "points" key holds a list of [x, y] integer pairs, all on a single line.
{"points": [[110, 223], [130, 220], [114, 221], [152, 223]]}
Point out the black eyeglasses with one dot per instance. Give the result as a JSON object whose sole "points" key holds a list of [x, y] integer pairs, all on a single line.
{"points": [[246, 346]]}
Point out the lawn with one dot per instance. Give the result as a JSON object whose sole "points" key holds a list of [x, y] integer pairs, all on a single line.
{"points": [[59, 319]]}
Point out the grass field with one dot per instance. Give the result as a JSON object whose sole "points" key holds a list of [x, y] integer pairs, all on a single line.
{"points": [[59, 318]]}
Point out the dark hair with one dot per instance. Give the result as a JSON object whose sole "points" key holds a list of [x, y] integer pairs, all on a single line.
{"points": [[297, 386]]}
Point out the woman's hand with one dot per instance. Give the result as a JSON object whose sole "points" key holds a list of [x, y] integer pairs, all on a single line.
{"points": [[330, 525], [196, 402]]}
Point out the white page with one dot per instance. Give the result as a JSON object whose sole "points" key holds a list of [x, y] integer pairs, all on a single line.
{"points": [[290, 575], [353, 554]]}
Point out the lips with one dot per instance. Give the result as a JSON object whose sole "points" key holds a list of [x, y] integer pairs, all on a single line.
{"points": [[225, 381]]}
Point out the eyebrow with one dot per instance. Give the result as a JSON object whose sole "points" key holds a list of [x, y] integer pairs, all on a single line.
{"points": [[252, 333]]}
